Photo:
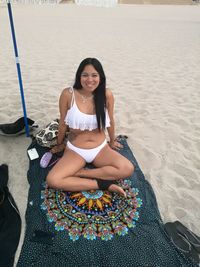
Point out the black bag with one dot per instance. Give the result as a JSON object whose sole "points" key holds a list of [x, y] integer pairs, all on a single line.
{"points": [[10, 222]]}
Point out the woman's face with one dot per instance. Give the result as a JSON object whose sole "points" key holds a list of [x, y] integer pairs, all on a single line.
{"points": [[90, 78]]}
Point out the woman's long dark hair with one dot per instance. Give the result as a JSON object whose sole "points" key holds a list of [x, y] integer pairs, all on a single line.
{"points": [[100, 91]]}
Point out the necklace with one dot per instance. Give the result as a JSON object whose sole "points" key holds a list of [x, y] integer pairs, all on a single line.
{"points": [[86, 98]]}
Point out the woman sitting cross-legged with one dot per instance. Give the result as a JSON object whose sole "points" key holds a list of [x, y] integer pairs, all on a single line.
{"points": [[86, 111]]}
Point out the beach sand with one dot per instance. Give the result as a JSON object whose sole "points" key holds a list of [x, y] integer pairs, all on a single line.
{"points": [[157, 2], [151, 58], [152, 2]]}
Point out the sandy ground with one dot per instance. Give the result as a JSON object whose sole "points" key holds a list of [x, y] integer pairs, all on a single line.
{"points": [[151, 57], [157, 2]]}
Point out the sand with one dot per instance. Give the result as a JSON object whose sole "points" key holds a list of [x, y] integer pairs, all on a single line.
{"points": [[151, 58], [157, 2], [152, 2]]}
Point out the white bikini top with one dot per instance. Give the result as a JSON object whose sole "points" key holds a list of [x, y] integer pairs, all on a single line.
{"points": [[76, 119]]}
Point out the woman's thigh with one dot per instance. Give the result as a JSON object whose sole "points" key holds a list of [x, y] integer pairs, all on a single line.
{"points": [[68, 165], [109, 157]]}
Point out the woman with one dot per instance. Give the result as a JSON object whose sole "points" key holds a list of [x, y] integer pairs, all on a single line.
{"points": [[86, 110]]}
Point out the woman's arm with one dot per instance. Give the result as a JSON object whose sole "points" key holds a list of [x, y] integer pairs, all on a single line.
{"points": [[110, 108], [62, 128], [111, 130]]}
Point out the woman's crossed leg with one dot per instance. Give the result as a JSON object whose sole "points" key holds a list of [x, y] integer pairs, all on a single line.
{"points": [[68, 174], [110, 165]]}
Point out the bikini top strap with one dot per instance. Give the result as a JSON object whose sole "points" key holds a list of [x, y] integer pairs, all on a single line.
{"points": [[71, 89]]}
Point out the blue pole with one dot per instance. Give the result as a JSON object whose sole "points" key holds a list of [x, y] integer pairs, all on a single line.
{"points": [[18, 68]]}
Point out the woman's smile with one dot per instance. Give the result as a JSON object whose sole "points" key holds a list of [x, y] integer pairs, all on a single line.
{"points": [[90, 78]]}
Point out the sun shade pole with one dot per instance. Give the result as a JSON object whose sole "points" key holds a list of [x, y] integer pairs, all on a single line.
{"points": [[18, 66]]}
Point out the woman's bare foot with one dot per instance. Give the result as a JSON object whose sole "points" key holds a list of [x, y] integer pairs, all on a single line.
{"points": [[117, 189], [112, 188]]}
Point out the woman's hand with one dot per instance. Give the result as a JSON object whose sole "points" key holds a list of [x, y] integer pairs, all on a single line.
{"points": [[57, 148], [115, 144]]}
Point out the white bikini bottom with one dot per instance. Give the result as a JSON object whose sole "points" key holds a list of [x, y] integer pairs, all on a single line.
{"points": [[87, 154]]}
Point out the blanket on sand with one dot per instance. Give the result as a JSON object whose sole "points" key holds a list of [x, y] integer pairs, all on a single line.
{"points": [[95, 228]]}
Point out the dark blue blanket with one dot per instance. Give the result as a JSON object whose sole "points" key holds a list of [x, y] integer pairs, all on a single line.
{"points": [[95, 228]]}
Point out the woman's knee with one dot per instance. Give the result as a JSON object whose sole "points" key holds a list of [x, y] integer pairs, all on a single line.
{"points": [[52, 181], [127, 169], [130, 169]]}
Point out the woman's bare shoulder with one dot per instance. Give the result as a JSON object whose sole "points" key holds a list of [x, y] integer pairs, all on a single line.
{"points": [[67, 91], [65, 97], [109, 94]]}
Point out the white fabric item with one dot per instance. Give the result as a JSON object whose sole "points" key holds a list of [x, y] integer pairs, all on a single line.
{"points": [[88, 154], [99, 3], [76, 119]]}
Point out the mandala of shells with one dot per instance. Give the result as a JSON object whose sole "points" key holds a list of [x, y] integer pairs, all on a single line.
{"points": [[92, 214]]}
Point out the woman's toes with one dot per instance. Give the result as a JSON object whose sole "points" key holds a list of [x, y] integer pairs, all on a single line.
{"points": [[117, 189]]}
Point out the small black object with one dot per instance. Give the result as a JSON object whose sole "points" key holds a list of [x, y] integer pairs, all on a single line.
{"points": [[43, 237], [17, 127], [10, 222], [3, 175], [122, 136], [104, 184], [191, 237], [181, 241]]}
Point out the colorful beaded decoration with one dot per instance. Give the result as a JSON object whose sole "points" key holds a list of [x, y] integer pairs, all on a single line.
{"points": [[92, 214]]}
